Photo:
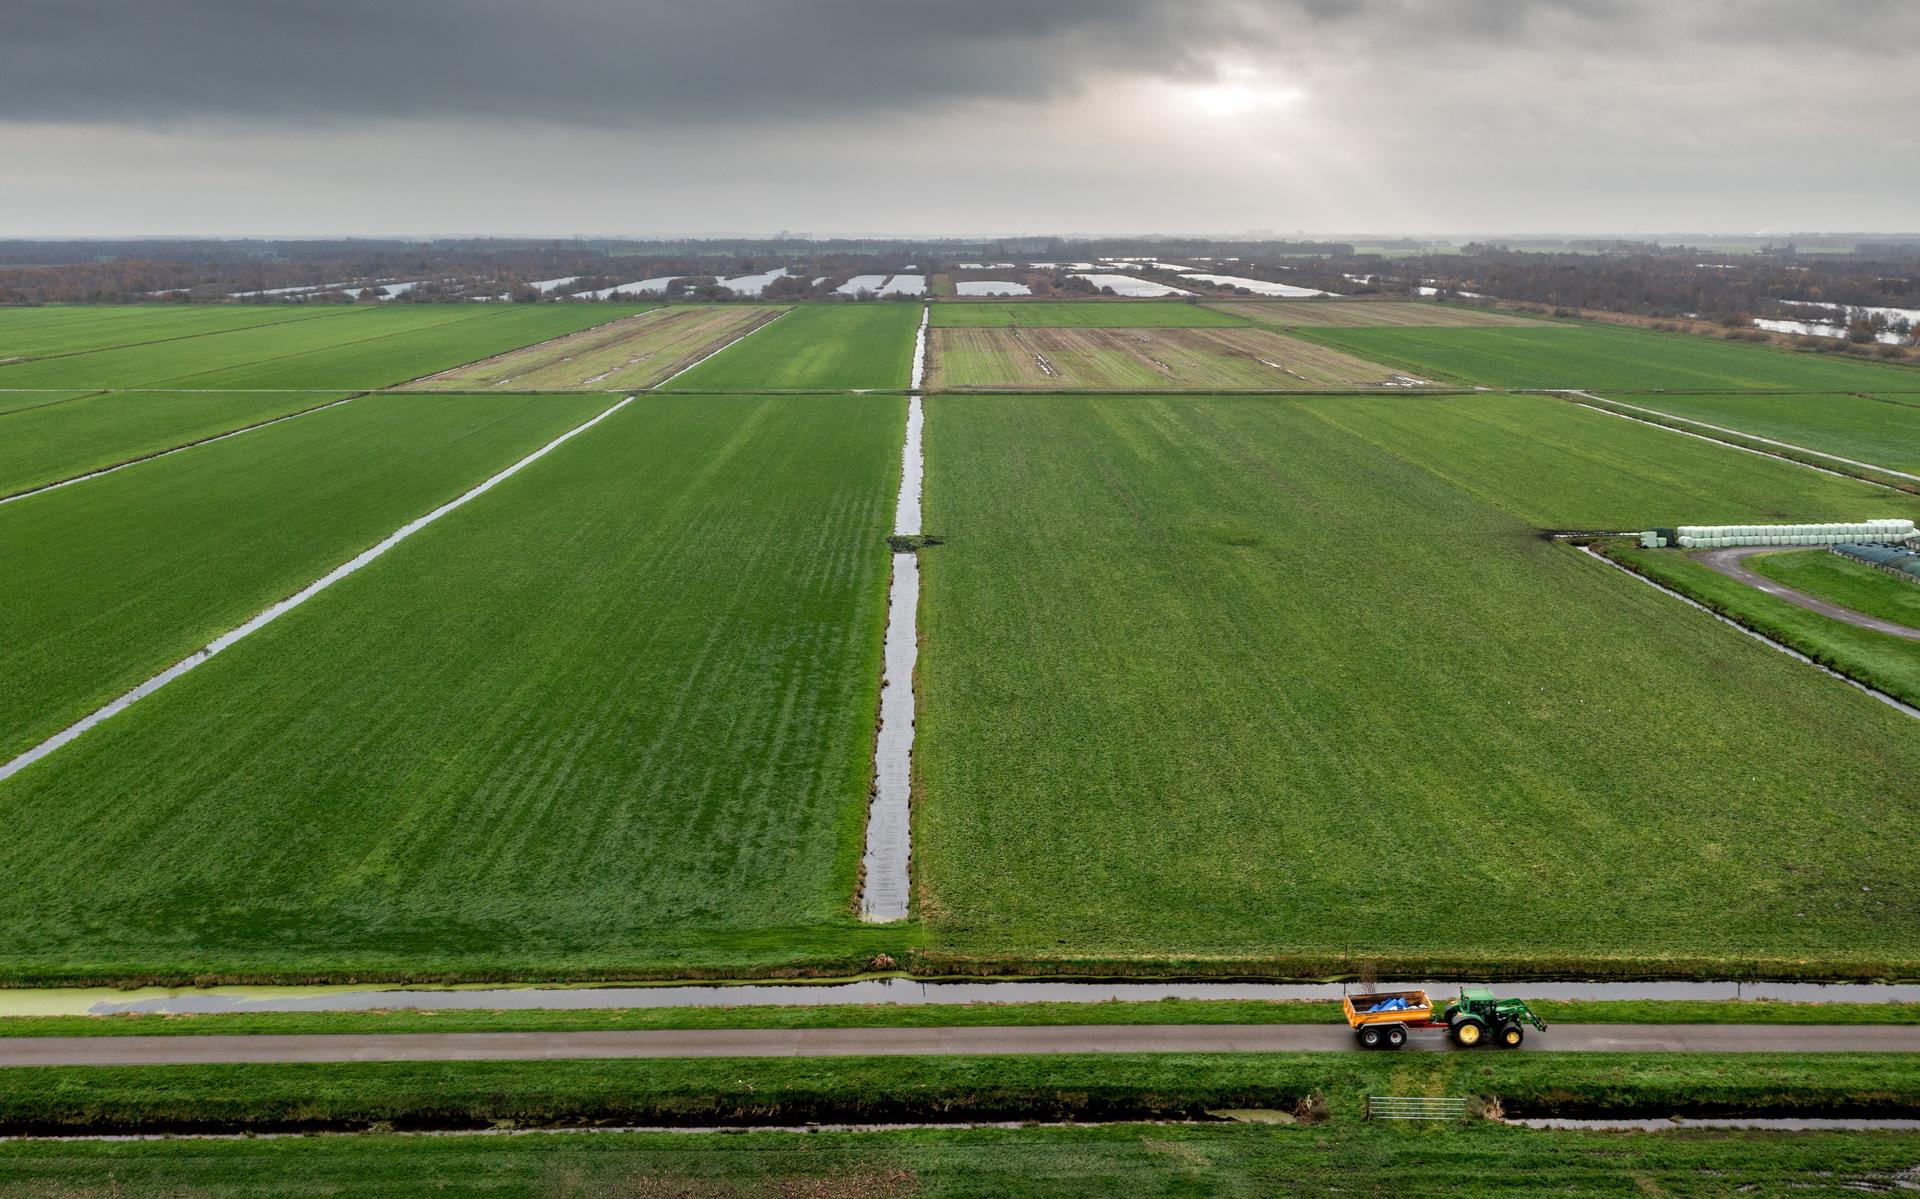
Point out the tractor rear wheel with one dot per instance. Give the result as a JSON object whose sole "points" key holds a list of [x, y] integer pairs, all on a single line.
{"points": [[1370, 1037], [1396, 1037], [1469, 1032], [1511, 1035]]}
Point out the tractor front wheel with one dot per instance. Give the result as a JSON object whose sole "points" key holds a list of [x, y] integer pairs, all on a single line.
{"points": [[1511, 1035], [1469, 1033]]}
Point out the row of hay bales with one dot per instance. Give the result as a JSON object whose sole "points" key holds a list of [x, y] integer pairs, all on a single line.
{"points": [[1893, 559], [1715, 537]]}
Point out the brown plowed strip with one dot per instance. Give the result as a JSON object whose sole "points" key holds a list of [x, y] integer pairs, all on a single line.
{"points": [[637, 352], [1080, 359]]}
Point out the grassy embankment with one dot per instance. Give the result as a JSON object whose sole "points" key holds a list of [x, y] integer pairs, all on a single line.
{"points": [[1845, 582], [1147, 1161], [1879, 660], [425, 771], [970, 1015], [1176, 734]]}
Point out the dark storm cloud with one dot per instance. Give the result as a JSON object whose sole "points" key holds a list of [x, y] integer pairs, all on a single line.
{"points": [[589, 62]]}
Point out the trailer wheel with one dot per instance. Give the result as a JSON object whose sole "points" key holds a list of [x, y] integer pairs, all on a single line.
{"points": [[1370, 1037], [1511, 1035], [1469, 1032], [1396, 1037]]}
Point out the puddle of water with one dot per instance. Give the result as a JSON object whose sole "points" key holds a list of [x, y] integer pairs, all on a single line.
{"points": [[1127, 285], [860, 283], [228, 639], [991, 287], [905, 285], [106, 1001]]}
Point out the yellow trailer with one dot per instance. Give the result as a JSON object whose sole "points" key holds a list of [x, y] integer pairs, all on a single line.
{"points": [[1381, 1020]]}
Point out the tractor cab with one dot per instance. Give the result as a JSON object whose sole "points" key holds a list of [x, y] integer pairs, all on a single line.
{"points": [[1477, 1016]]}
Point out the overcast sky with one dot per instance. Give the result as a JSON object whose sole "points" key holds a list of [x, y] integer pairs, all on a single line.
{"points": [[846, 117]]}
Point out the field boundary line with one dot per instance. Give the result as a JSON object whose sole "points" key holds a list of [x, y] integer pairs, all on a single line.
{"points": [[119, 466], [723, 349], [273, 612], [64, 399], [1893, 702], [1599, 401], [886, 888]]}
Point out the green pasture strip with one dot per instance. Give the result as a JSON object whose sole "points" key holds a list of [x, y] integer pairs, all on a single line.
{"points": [[1845, 582], [618, 711], [358, 349], [1290, 314], [1879, 660], [703, 1091], [1556, 465], [1882, 430], [1611, 358], [401, 1019], [1147, 1161], [1193, 670], [12, 402], [1082, 314], [112, 580], [47, 332], [816, 346], [44, 445]]}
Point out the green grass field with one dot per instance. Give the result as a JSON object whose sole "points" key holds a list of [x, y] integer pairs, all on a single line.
{"points": [[1084, 359], [824, 346], [112, 580], [1877, 659], [1082, 314], [1610, 358], [45, 444], [44, 332], [359, 348], [25, 401], [1882, 430], [1845, 582], [1147, 1161], [636, 352], [1290, 314], [1207, 681], [617, 712]]}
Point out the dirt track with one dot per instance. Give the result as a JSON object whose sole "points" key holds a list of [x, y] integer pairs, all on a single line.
{"points": [[1732, 563], [894, 1042]]}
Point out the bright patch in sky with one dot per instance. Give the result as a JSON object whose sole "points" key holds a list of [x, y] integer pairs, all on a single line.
{"points": [[1234, 92]]}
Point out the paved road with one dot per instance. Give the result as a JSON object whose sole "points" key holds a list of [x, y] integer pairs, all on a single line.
{"points": [[866, 1042], [1732, 563]]}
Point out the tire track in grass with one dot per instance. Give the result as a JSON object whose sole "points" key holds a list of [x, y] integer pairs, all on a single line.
{"points": [[275, 611], [884, 870], [107, 470]]}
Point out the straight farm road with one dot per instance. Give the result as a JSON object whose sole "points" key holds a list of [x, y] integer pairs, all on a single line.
{"points": [[907, 1042]]}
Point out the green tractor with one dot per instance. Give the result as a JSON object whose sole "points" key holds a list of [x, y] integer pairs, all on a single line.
{"points": [[1477, 1015]]}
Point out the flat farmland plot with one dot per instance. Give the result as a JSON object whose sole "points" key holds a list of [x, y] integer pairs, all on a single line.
{"points": [[1139, 359], [364, 348], [48, 443], [1606, 357], [634, 353], [112, 580], [1883, 430], [617, 711], [1216, 680], [1362, 314], [818, 346], [43, 332], [1081, 314]]}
